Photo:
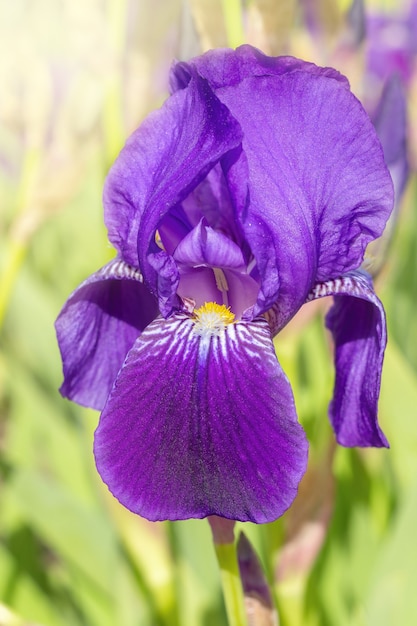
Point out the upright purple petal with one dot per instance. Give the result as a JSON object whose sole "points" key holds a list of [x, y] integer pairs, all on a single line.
{"points": [[317, 186], [164, 159], [357, 323], [97, 327], [200, 425]]}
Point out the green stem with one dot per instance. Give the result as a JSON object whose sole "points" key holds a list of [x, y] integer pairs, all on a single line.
{"points": [[231, 583]]}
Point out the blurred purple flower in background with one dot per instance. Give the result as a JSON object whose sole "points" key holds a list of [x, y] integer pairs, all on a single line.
{"points": [[392, 44], [378, 51], [255, 188], [391, 123]]}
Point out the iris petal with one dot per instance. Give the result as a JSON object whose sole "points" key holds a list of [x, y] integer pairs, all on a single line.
{"points": [[205, 246], [231, 288], [357, 322], [226, 67], [164, 159], [317, 188], [211, 199], [97, 327], [202, 424]]}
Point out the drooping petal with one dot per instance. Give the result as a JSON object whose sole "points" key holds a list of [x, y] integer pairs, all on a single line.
{"points": [[199, 425], [166, 157], [357, 323], [311, 182], [97, 327]]}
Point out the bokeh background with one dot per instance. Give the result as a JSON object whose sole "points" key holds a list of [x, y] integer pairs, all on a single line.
{"points": [[76, 77]]}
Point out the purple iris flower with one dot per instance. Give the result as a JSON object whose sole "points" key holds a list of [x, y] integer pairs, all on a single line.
{"points": [[254, 189]]}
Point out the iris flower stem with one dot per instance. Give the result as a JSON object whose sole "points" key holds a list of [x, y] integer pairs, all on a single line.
{"points": [[226, 552], [231, 583]]}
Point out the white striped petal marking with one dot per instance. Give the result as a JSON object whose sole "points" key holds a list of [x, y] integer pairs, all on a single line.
{"points": [[202, 422]]}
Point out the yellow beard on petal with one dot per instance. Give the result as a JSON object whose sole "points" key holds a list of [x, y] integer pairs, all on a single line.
{"points": [[212, 318]]}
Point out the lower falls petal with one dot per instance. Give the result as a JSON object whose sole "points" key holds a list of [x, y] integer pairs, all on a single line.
{"points": [[202, 424], [97, 327], [357, 323]]}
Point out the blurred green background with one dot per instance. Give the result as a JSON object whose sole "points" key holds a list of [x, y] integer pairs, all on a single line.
{"points": [[76, 77]]}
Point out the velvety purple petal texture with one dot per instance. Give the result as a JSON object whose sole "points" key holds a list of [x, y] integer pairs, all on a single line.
{"points": [[317, 187], [205, 246], [167, 279], [97, 327], [224, 67], [201, 425], [310, 185], [357, 323], [209, 200], [164, 159], [259, 179]]}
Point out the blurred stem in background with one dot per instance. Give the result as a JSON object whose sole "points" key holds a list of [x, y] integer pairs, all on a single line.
{"points": [[23, 226], [226, 553], [232, 11]]}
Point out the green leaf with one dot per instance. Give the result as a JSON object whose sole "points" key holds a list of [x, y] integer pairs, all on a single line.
{"points": [[393, 599], [79, 535], [397, 409], [198, 583]]}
